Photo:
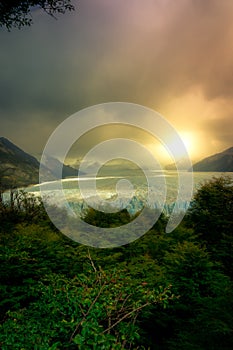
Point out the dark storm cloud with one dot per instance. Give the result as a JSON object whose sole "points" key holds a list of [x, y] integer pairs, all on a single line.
{"points": [[149, 53]]}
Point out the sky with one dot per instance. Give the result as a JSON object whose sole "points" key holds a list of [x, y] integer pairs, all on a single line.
{"points": [[175, 57]]}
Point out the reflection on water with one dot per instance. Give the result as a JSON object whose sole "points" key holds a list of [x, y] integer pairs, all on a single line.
{"points": [[106, 189]]}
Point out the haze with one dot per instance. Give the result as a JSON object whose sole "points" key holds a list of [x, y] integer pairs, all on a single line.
{"points": [[173, 57]]}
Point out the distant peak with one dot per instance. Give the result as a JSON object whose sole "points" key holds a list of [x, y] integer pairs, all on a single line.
{"points": [[5, 140], [228, 150]]}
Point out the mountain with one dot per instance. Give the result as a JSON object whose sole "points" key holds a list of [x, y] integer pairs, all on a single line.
{"points": [[115, 167], [54, 164], [19, 169], [218, 162], [182, 163]]}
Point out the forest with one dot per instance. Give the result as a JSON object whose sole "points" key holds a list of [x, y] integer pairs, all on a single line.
{"points": [[163, 291]]}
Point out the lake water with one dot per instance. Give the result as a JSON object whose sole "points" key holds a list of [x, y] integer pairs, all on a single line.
{"points": [[102, 192]]}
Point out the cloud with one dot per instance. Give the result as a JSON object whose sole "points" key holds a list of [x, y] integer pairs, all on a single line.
{"points": [[175, 57], [220, 133]]}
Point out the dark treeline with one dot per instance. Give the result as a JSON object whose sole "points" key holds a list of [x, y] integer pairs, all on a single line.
{"points": [[163, 291]]}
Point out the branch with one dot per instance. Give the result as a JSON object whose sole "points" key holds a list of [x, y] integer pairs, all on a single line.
{"points": [[92, 263], [87, 313], [127, 315]]}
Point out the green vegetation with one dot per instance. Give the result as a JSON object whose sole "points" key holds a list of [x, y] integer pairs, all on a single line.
{"points": [[163, 291], [211, 218]]}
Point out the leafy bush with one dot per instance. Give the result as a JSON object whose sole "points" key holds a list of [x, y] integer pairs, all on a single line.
{"points": [[96, 310], [163, 291], [211, 218]]}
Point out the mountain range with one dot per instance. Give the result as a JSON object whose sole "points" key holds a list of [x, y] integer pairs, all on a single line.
{"points": [[19, 169], [220, 162]]}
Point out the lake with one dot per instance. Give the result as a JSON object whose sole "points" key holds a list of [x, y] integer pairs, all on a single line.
{"points": [[101, 193]]}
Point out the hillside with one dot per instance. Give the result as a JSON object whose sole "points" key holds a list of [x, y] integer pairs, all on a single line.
{"points": [[54, 165], [18, 168], [218, 162]]}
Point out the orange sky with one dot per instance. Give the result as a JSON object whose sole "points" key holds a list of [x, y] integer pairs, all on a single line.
{"points": [[175, 57]]}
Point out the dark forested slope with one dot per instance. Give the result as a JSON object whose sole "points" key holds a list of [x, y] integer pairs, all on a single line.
{"points": [[222, 162]]}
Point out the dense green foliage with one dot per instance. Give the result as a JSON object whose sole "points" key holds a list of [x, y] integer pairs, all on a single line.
{"points": [[211, 218], [163, 291], [17, 13]]}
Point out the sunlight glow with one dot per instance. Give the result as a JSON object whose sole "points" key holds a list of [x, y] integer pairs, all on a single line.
{"points": [[189, 141], [162, 154]]}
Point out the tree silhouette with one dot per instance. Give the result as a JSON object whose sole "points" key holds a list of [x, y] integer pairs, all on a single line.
{"points": [[17, 13], [212, 220]]}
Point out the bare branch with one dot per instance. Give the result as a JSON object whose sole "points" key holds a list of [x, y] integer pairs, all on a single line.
{"points": [[126, 316]]}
